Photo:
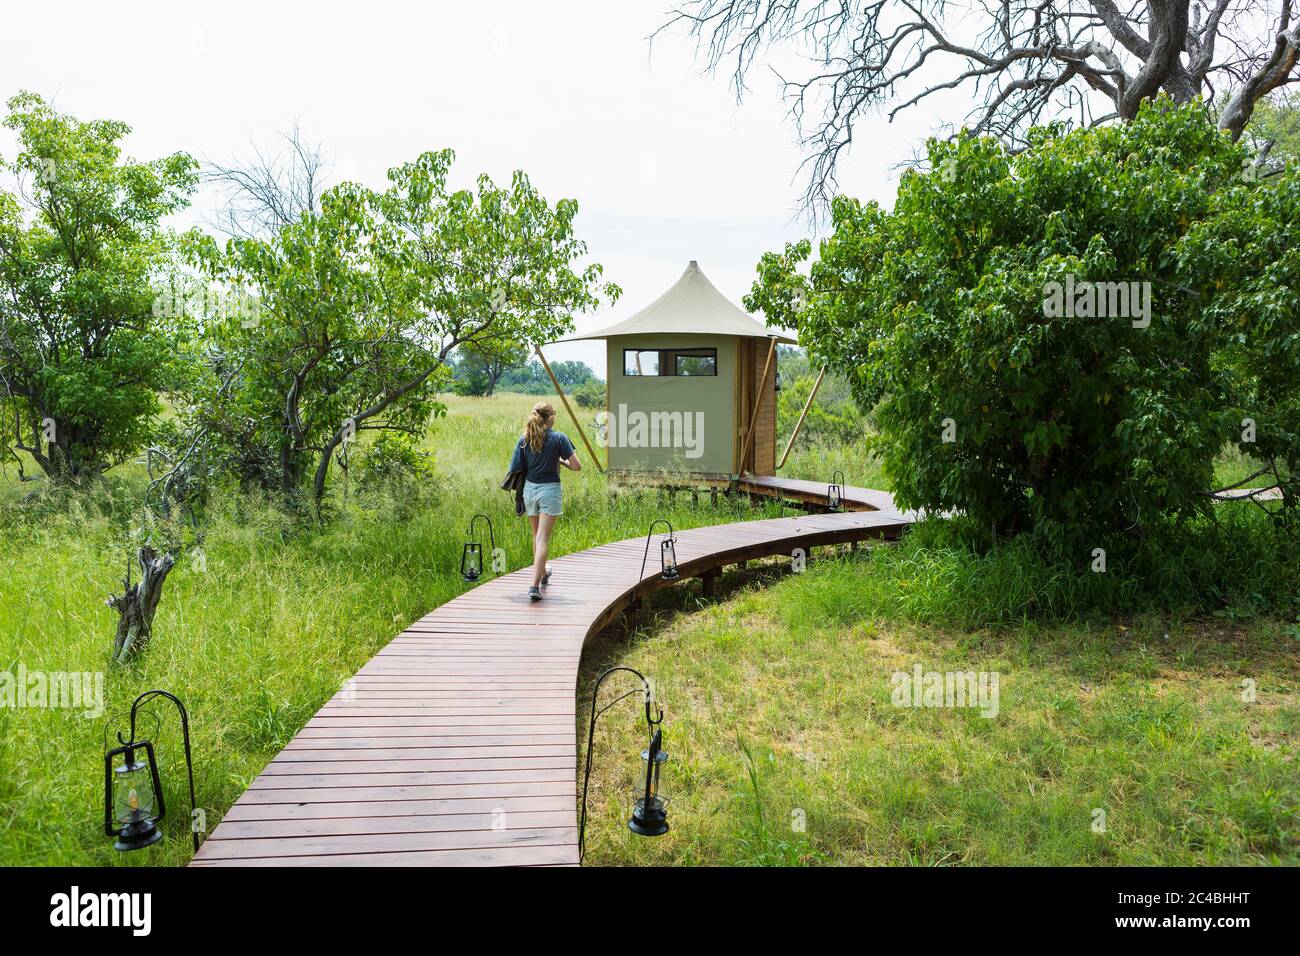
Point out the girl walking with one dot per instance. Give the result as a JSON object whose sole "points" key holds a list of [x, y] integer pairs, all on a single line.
{"points": [[539, 453]]}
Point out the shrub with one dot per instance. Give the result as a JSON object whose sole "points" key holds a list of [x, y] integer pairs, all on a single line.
{"points": [[833, 417], [590, 394], [1006, 381], [393, 458]]}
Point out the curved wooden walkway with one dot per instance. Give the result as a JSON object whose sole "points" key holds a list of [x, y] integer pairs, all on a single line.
{"points": [[456, 744]]}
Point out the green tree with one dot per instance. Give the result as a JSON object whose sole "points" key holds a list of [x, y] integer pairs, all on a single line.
{"points": [[531, 379], [332, 336], [570, 374], [83, 356], [364, 303], [479, 368], [946, 315], [1274, 130]]}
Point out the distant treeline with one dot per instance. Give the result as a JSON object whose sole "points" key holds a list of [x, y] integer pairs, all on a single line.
{"points": [[476, 374]]}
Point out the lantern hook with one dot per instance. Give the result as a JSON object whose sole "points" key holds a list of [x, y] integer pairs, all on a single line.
{"points": [[651, 722], [185, 735], [646, 555], [492, 538]]}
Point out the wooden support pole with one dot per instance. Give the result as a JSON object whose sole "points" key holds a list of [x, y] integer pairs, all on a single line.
{"points": [[758, 403], [709, 582], [802, 415], [582, 432]]}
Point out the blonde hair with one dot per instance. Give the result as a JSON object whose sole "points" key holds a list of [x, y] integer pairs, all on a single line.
{"points": [[539, 420]]}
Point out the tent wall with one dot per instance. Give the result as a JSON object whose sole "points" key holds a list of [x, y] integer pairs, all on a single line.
{"points": [[712, 396]]}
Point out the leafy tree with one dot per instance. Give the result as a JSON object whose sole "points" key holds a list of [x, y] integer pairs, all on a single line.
{"points": [[1274, 131], [470, 371], [570, 374], [832, 417], [944, 314], [332, 337], [365, 302], [591, 393], [479, 368], [530, 379], [83, 356]]}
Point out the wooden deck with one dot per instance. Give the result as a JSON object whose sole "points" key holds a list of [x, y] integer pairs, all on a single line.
{"points": [[814, 493], [456, 744]]}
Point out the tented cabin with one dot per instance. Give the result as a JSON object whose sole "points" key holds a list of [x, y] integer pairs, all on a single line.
{"points": [[689, 376]]}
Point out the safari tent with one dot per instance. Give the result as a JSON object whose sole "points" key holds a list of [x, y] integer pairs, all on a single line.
{"points": [[692, 385]]}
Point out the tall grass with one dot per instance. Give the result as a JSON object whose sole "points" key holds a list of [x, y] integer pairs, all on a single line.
{"points": [[1241, 567], [257, 636]]}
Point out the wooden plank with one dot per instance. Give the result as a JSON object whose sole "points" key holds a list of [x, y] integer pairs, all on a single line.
{"points": [[373, 753], [415, 778], [219, 848], [313, 796], [356, 809], [558, 855], [482, 819], [312, 741]]}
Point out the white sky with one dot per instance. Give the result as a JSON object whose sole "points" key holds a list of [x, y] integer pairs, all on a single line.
{"points": [[665, 165]]}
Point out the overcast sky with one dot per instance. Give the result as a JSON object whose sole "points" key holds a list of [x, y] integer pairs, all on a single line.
{"points": [[665, 165]]}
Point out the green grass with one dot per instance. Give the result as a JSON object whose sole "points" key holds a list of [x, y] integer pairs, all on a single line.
{"points": [[777, 700], [261, 639], [786, 748]]}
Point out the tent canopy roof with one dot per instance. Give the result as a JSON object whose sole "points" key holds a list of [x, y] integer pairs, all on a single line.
{"points": [[693, 306]]}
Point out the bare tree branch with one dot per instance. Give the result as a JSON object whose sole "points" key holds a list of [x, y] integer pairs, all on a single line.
{"points": [[1022, 61], [271, 189]]}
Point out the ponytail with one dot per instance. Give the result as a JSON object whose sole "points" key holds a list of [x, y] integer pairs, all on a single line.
{"points": [[539, 420]]}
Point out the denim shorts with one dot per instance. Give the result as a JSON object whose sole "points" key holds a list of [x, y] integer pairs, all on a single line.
{"points": [[546, 498]]}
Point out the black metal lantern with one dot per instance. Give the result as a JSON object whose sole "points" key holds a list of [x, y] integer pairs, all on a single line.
{"points": [[668, 559], [133, 802], [471, 556], [471, 561], [650, 807], [835, 491], [650, 811], [133, 795], [667, 551]]}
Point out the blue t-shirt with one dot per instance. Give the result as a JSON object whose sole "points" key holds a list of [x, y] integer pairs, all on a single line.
{"points": [[543, 466]]}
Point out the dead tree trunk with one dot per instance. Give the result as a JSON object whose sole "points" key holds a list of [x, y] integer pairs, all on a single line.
{"points": [[136, 607]]}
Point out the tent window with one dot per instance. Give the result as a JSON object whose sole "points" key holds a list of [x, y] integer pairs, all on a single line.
{"points": [[692, 362], [696, 361], [640, 362]]}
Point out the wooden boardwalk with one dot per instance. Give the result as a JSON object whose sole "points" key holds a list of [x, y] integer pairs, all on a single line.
{"points": [[456, 744], [814, 493]]}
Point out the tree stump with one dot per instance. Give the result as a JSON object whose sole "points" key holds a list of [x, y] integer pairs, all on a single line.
{"points": [[138, 604]]}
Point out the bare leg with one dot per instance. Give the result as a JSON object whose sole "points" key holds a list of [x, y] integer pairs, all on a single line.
{"points": [[541, 545]]}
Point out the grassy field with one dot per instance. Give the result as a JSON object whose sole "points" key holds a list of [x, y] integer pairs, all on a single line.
{"points": [[778, 700], [257, 638], [786, 746]]}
